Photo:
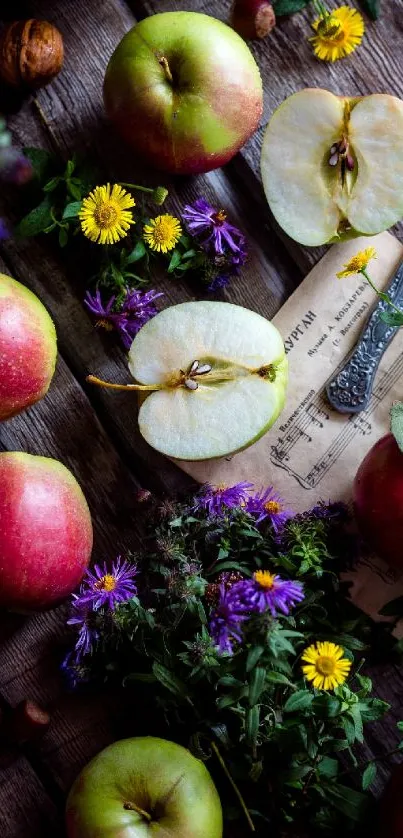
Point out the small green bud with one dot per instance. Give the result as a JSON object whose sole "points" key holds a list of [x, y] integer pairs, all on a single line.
{"points": [[159, 195]]}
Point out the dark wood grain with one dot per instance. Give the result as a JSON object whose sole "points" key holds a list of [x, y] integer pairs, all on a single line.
{"points": [[26, 808]]}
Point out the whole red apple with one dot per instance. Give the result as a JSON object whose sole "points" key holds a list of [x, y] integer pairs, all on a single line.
{"points": [[391, 806], [378, 500], [27, 348], [144, 787], [45, 531], [184, 91]]}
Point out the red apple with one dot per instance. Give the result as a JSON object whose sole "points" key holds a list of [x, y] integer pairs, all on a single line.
{"points": [[391, 806], [184, 91], [27, 348], [144, 787], [378, 500], [45, 531]]}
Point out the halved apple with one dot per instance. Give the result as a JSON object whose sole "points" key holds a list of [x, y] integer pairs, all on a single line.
{"points": [[217, 376], [332, 167]]}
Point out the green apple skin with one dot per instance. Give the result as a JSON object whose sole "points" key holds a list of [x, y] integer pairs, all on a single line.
{"points": [[27, 348], [162, 778], [199, 118], [45, 532]]}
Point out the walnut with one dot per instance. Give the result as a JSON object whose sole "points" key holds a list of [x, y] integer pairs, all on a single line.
{"points": [[31, 53]]}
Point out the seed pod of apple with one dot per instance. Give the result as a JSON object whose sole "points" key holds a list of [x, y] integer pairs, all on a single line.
{"points": [[252, 18], [31, 53]]}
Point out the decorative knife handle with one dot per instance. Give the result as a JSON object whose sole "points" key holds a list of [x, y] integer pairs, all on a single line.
{"points": [[350, 391]]}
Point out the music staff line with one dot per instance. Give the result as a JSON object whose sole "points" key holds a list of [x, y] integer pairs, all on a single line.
{"points": [[316, 414]]}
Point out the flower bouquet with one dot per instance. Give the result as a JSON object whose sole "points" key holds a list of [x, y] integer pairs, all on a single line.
{"points": [[235, 634]]}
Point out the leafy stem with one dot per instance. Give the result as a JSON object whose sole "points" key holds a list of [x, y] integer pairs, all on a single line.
{"points": [[234, 786]]}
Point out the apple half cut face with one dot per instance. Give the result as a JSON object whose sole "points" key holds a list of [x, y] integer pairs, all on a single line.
{"points": [[332, 167], [219, 373]]}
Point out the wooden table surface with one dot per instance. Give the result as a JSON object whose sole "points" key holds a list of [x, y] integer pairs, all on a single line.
{"points": [[95, 434]]}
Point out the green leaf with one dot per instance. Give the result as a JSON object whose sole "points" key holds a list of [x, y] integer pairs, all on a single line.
{"points": [[52, 184], [372, 8], [301, 700], [278, 678], [399, 726], [63, 237], [396, 423], [356, 718], [37, 220], [41, 161], [73, 190], [373, 709], [136, 254], [254, 654], [289, 7], [71, 165], [328, 767], [252, 720], [352, 803], [176, 259], [256, 684], [347, 641], [368, 776], [392, 318], [327, 706], [393, 608], [71, 210], [144, 677], [169, 680]]}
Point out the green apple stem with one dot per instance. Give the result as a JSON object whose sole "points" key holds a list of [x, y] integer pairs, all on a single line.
{"points": [[132, 807], [164, 64], [234, 786]]}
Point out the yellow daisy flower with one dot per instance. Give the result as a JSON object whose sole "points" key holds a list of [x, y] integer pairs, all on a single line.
{"points": [[105, 217], [326, 667], [337, 33], [162, 233], [358, 263]]}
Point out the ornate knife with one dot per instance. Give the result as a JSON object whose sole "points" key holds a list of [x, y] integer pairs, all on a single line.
{"points": [[350, 390]]}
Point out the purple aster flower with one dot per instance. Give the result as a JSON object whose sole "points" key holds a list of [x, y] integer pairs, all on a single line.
{"points": [[226, 621], [268, 504], [4, 230], [134, 311], [267, 592], [82, 620], [103, 587], [215, 232], [14, 167], [217, 499], [219, 281], [74, 673]]}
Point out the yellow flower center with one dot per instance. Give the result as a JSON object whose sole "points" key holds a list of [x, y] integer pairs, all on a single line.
{"points": [[330, 28], [104, 324], [220, 216], [326, 665], [106, 583], [221, 487], [105, 216], [272, 507], [264, 578]]}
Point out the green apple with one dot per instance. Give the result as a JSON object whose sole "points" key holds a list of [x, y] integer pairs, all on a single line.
{"points": [[144, 787], [184, 91], [219, 373], [332, 166], [27, 348]]}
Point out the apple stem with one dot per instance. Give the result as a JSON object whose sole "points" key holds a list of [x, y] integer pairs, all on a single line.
{"points": [[234, 786], [164, 64], [132, 807], [92, 379]]}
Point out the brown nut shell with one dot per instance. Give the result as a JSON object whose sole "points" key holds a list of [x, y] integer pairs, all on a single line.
{"points": [[31, 53]]}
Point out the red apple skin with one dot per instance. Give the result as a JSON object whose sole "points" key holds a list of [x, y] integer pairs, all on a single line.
{"points": [[27, 348], [391, 806], [160, 777], [45, 532], [378, 500], [197, 120]]}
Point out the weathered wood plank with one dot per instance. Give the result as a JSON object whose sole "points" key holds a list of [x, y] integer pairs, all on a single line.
{"points": [[25, 807]]}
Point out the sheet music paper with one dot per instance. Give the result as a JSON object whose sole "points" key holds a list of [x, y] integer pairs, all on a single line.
{"points": [[312, 453]]}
